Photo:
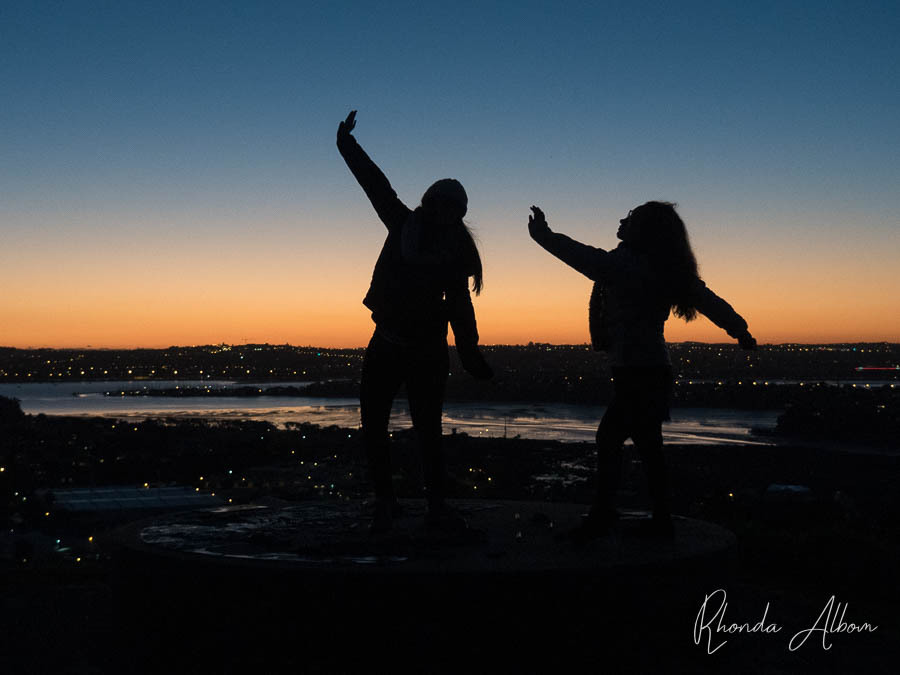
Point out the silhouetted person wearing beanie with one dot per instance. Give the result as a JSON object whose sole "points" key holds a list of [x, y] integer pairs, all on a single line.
{"points": [[420, 283], [650, 273]]}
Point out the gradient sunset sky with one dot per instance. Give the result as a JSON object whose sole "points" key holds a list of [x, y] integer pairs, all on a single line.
{"points": [[169, 175]]}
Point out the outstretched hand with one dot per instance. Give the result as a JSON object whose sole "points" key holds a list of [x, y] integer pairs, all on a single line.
{"points": [[473, 361], [345, 127], [537, 224], [747, 341]]}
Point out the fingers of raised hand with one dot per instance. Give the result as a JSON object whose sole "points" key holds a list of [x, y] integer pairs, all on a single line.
{"points": [[346, 126]]}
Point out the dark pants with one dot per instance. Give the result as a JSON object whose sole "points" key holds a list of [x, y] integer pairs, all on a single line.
{"points": [[423, 367], [637, 411]]}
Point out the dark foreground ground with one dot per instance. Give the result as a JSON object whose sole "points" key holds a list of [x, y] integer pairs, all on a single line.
{"points": [[795, 550]]}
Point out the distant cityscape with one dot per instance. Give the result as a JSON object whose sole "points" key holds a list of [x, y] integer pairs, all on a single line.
{"points": [[287, 363]]}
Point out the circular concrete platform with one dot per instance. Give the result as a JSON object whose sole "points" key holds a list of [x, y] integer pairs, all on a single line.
{"points": [[307, 583], [333, 537]]}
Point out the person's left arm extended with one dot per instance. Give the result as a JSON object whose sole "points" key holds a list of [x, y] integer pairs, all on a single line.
{"points": [[722, 314], [586, 259]]}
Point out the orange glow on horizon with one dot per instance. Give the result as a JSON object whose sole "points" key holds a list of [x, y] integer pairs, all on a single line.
{"points": [[347, 324], [514, 309], [293, 288]]}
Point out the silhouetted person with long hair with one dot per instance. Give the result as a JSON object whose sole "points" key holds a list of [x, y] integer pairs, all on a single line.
{"points": [[650, 273], [420, 283]]}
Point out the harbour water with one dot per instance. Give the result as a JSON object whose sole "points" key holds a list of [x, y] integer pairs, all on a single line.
{"points": [[552, 421]]}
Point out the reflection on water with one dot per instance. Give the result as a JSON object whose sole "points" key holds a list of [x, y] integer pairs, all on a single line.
{"points": [[561, 421], [551, 421]]}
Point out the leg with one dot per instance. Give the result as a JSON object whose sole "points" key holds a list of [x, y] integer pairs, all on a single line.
{"points": [[656, 389], [381, 378], [611, 434], [425, 384], [648, 441]]}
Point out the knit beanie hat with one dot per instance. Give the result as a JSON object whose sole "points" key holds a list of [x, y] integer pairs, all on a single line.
{"points": [[448, 189]]}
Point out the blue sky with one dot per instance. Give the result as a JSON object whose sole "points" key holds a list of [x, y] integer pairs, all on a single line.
{"points": [[192, 127]]}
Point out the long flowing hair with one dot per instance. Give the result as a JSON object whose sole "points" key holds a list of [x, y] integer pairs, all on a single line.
{"points": [[448, 196], [657, 231], [471, 258]]}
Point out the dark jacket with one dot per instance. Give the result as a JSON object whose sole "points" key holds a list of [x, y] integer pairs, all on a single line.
{"points": [[415, 290], [629, 310]]}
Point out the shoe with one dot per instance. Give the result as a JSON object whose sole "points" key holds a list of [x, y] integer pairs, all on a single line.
{"points": [[446, 519]]}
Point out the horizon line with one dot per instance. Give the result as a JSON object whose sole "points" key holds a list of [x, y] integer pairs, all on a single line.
{"points": [[499, 344]]}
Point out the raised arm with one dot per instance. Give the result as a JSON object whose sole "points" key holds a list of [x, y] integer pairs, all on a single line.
{"points": [[722, 314], [586, 259], [374, 183]]}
